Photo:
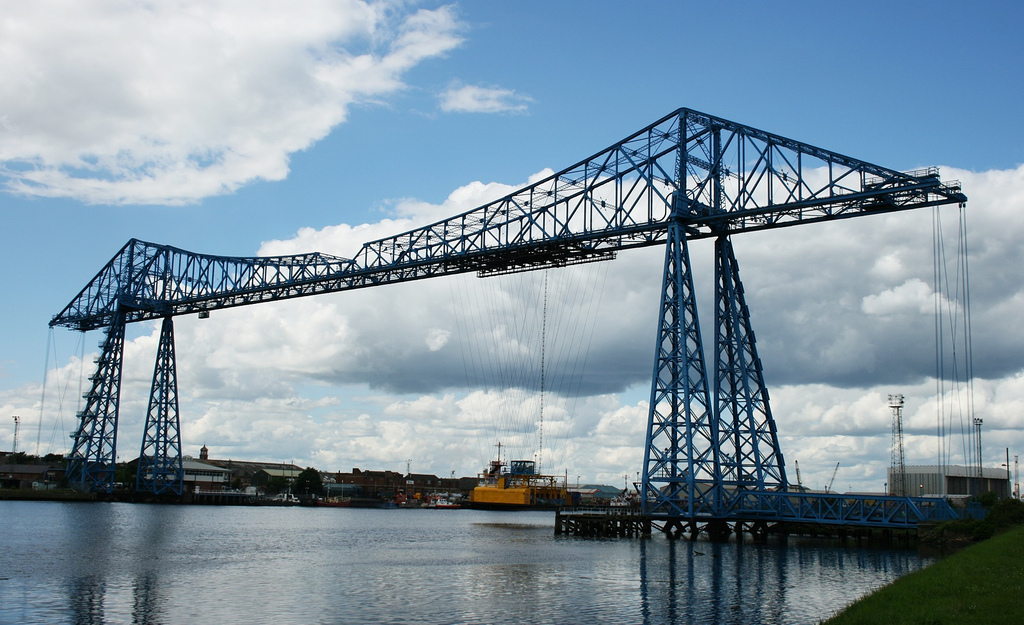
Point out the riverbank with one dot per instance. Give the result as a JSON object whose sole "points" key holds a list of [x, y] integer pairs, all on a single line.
{"points": [[980, 584], [64, 494]]}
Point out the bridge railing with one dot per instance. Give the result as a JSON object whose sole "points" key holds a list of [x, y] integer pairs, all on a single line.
{"points": [[882, 511], [840, 509]]}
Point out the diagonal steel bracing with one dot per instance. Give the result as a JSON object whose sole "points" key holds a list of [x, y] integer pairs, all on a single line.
{"points": [[733, 178], [681, 457], [711, 449], [91, 462], [160, 469], [748, 442]]}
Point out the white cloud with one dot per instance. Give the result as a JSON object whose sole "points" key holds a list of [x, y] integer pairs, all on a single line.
{"points": [[168, 103], [437, 338], [476, 99], [913, 296], [374, 377]]}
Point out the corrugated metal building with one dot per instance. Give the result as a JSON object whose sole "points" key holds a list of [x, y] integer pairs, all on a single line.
{"points": [[952, 480]]}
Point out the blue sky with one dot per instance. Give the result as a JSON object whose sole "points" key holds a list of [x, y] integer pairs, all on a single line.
{"points": [[243, 131]]}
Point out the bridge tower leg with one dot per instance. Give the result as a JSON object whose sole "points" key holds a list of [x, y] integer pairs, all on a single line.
{"points": [[160, 470], [93, 456], [702, 450], [682, 473], [748, 442]]}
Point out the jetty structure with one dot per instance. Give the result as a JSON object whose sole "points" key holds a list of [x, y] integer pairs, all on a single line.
{"points": [[712, 461]]}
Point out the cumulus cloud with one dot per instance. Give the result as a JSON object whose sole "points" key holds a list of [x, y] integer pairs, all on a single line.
{"points": [[169, 103], [439, 370], [913, 296], [477, 99]]}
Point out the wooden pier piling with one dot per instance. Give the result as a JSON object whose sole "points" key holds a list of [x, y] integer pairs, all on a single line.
{"points": [[610, 522]]}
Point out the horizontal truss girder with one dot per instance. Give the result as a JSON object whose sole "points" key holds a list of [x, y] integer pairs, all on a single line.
{"points": [[619, 198], [831, 509]]}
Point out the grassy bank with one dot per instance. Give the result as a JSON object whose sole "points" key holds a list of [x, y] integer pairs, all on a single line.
{"points": [[981, 584]]}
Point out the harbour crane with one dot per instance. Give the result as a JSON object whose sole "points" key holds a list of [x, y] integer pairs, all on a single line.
{"points": [[828, 488]]}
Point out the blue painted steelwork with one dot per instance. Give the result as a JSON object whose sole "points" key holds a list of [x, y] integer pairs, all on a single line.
{"points": [[91, 462], [687, 176], [617, 199], [160, 470], [681, 457], [881, 511], [748, 440]]}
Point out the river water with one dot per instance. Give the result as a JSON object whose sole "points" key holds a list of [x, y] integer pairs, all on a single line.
{"points": [[93, 563]]}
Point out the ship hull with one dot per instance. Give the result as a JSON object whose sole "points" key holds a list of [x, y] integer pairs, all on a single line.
{"points": [[518, 488], [529, 498], [487, 505]]}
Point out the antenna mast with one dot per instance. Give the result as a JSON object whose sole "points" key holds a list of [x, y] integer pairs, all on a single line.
{"points": [[977, 453], [898, 481]]}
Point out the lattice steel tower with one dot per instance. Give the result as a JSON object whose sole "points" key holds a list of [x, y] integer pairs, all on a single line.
{"points": [[898, 477], [978, 421]]}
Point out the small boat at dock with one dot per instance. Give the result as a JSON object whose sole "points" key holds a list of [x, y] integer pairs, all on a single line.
{"points": [[443, 503]]}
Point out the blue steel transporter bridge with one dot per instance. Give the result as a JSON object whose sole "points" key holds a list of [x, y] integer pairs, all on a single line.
{"points": [[712, 451]]}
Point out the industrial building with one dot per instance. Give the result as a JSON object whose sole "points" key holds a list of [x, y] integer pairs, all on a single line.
{"points": [[948, 481]]}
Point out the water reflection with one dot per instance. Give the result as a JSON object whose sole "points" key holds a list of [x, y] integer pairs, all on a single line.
{"points": [[157, 527], [116, 563], [87, 596], [87, 530], [146, 607], [687, 583]]}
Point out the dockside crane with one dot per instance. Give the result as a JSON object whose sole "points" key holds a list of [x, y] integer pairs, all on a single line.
{"points": [[828, 488]]}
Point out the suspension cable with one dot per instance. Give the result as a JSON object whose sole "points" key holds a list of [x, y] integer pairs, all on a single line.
{"points": [[42, 392]]}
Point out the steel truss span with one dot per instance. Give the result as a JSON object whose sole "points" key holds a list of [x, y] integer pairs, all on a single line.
{"points": [[712, 451], [708, 174]]}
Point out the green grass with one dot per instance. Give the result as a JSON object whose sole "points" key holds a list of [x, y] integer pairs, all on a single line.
{"points": [[983, 584]]}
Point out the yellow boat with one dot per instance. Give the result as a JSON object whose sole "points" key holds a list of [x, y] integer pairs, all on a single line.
{"points": [[518, 488]]}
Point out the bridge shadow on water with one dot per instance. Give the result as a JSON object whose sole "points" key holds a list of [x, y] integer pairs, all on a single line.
{"points": [[683, 582]]}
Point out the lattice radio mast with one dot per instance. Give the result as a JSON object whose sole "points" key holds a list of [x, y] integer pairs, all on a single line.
{"points": [[898, 485], [977, 454]]}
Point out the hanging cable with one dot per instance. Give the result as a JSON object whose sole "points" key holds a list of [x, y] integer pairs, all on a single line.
{"points": [[42, 392], [968, 339], [527, 373], [953, 331], [937, 291], [543, 346]]}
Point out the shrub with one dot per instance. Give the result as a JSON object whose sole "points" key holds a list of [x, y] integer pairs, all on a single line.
{"points": [[1006, 513], [987, 500]]}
